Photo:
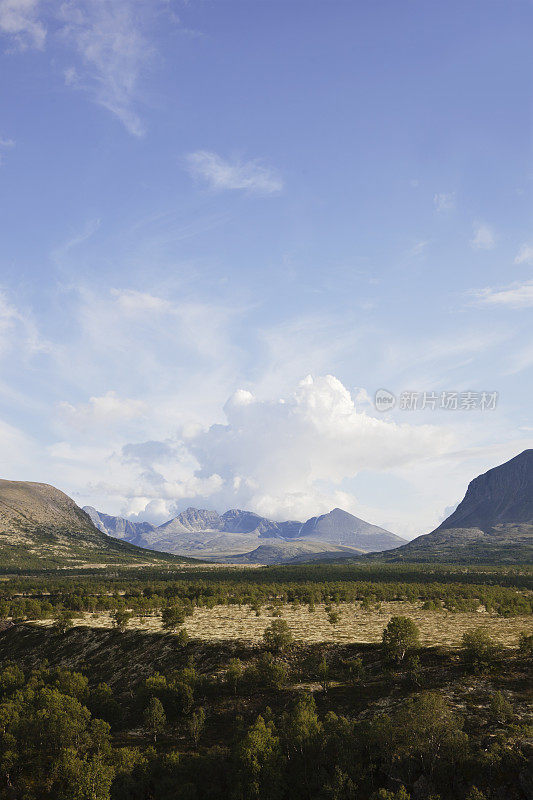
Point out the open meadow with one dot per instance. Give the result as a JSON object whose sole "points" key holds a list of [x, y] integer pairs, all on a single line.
{"points": [[354, 625]]}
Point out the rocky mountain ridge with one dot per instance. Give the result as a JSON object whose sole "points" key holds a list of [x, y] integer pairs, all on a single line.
{"points": [[241, 534]]}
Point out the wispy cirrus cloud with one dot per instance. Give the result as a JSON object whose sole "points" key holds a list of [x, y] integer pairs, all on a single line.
{"points": [[20, 20], [524, 255], [517, 295], [133, 302], [521, 359], [112, 48], [18, 330], [418, 249], [108, 44], [5, 144], [444, 201], [484, 237], [220, 174]]}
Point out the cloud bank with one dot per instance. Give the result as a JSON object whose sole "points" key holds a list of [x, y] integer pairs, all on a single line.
{"points": [[129, 412], [287, 459]]}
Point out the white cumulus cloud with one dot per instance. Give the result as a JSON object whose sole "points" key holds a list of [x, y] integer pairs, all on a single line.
{"points": [[286, 458]]}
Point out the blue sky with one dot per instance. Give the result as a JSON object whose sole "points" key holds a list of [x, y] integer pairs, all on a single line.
{"points": [[225, 225]]}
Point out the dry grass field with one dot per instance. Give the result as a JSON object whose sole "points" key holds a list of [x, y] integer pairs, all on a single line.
{"points": [[354, 625]]}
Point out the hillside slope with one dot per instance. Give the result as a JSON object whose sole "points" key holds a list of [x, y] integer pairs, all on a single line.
{"points": [[295, 551], [40, 526]]}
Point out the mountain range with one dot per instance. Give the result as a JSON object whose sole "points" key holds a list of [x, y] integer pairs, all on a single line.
{"points": [[245, 537], [41, 527]]}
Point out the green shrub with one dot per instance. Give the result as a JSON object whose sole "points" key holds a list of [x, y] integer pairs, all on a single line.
{"points": [[172, 616], [478, 649], [400, 637], [277, 636]]}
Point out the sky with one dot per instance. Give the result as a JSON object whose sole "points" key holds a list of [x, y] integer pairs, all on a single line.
{"points": [[224, 226]]}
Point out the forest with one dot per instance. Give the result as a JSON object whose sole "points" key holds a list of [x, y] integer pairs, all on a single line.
{"points": [[507, 591]]}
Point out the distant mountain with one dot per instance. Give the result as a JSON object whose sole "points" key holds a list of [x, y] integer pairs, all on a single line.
{"points": [[119, 527], [193, 519], [207, 534], [233, 521], [340, 527], [494, 521], [237, 533], [41, 526]]}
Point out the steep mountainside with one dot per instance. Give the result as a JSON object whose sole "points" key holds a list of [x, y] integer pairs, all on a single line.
{"points": [[502, 495], [494, 521], [41, 526], [246, 535]]}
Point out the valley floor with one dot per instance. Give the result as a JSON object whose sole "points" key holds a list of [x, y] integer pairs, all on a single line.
{"points": [[355, 625]]}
